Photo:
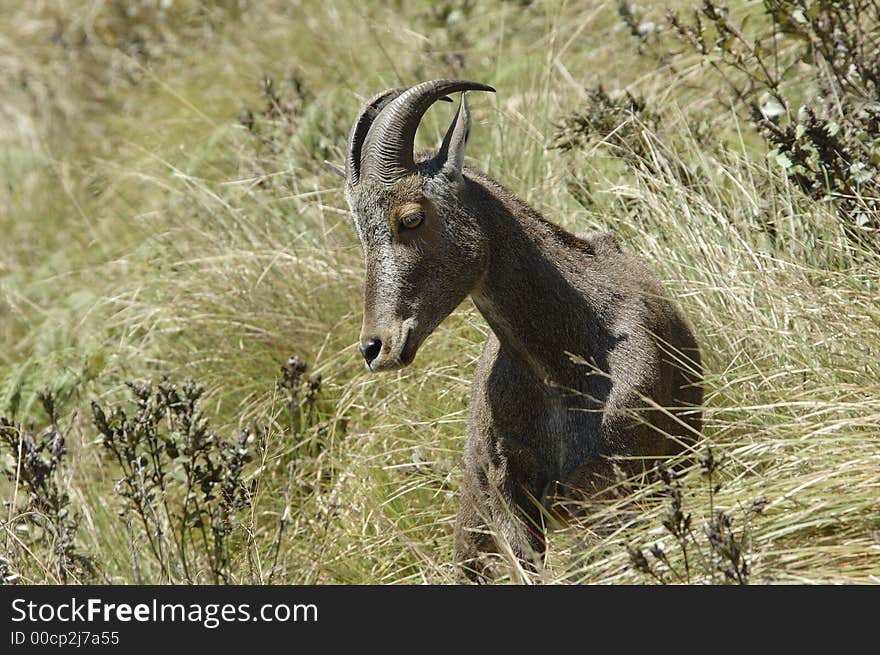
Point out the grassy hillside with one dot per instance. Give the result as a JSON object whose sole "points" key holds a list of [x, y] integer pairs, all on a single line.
{"points": [[165, 214]]}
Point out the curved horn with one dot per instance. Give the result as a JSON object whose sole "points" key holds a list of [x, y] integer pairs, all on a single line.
{"points": [[366, 116], [388, 147]]}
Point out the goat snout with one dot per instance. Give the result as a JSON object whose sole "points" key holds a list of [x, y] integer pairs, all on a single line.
{"points": [[370, 349], [389, 347]]}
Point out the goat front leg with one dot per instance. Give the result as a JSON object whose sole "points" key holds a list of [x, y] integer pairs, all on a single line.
{"points": [[473, 538], [487, 515]]}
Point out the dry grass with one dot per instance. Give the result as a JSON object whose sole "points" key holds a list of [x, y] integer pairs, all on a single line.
{"points": [[147, 232]]}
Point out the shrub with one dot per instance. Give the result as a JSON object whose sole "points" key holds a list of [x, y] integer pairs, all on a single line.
{"points": [[807, 77], [36, 463], [182, 482]]}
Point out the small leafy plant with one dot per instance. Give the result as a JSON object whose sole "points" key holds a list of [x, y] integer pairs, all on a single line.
{"points": [[36, 465], [717, 554], [806, 75], [182, 483], [624, 126]]}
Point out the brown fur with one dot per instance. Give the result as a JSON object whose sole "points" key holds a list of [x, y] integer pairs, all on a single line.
{"points": [[539, 420], [590, 366]]}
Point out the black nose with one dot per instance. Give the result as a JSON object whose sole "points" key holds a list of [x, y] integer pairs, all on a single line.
{"points": [[370, 350]]}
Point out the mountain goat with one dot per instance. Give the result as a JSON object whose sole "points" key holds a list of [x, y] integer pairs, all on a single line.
{"points": [[590, 367]]}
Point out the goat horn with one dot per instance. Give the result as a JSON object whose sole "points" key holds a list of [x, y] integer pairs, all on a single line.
{"points": [[366, 116], [388, 146]]}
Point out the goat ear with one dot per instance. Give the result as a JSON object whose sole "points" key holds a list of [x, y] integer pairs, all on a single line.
{"points": [[451, 155]]}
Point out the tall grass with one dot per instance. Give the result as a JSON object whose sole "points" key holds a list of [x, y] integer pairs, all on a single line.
{"points": [[165, 213]]}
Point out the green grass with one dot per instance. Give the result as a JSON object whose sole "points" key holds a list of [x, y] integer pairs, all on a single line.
{"points": [[147, 232]]}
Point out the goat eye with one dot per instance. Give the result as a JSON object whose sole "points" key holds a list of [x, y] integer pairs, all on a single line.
{"points": [[412, 220]]}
